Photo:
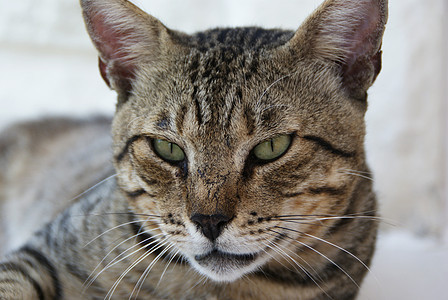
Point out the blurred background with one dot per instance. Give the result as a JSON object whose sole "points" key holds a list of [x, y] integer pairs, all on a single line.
{"points": [[49, 67]]}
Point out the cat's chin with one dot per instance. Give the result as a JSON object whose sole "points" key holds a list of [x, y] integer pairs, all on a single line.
{"points": [[225, 267]]}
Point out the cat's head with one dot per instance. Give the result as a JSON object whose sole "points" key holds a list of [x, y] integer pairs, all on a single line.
{"points": [[221, 135]]}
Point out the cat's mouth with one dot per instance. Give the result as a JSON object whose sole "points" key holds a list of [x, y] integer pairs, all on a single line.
{"points": [[224, 266], [218, 257]]}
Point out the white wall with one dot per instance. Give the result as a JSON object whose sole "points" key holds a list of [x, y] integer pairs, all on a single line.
{"points": [[407, 136]]}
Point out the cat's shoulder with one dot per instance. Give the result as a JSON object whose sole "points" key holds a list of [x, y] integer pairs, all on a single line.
{"points": [[45, 164]]}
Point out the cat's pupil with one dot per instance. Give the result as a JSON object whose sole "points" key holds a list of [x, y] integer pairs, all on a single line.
{"points": [[168, 151], [273, 148]]}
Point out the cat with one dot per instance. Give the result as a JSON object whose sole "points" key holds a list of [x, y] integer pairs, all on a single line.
{"points": [[238, 171]]}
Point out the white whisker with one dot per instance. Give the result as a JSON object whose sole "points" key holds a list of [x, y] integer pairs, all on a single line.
{"points": [[357, 174], [109, 230], [128, 269], [114, 261], [356, 171], [326, 257], [166, 268], [271, 85], [91, 188], [147, 220], [132, 121], [148, 269], [302, 267], [276, 251], [344, 250]]}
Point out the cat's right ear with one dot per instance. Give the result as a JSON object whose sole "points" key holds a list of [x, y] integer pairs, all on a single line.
{"points": [[349, 34], [125, 38]]}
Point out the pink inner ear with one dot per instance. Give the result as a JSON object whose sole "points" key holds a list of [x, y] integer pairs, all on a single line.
{"points": [[115, 62], [364, 39], [111, 39]]}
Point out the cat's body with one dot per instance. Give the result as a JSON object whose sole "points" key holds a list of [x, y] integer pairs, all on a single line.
{"points": [[236, 153], [27, 151]]}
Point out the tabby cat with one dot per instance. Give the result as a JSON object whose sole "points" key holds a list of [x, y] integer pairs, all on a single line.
{"points": [[239, 166]]}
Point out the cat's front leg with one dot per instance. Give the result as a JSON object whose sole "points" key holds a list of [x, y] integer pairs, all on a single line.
{"points": [[15, 285], [27, 274]]}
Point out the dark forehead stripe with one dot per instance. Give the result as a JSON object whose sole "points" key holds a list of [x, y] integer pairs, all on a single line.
{"points": [[237, 97], [180, 118], [249, 117], [251, 38], [198, 111], [216, 57], [163, 121]]}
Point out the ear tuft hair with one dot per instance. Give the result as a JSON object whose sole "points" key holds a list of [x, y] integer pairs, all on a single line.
{"points": [[349, 33], [124, 36]]}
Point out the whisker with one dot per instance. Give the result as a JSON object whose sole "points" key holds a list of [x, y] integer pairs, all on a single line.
{"points": [[328, 243], [202, 280], [356, 171], [113, 262], [113, 228], [124, 273], [383, 220], [94, 186], [271, 85], [333, 217], [132, 121], [307, 216], [320, 253], [166, 268], [357, 174], [304, 270], [128, 269], [246, 278], [296, 254], [378, 219], [303, 223], [119, 213], [276, 251], [323, 218], [141, 226], [148, 269], [344, 250]]}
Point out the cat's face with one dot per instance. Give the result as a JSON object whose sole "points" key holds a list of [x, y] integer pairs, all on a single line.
{"points": [[221, 148], [216, 125]]}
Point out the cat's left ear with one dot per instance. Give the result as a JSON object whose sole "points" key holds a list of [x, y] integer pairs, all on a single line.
{"points": [[126, 38], [349, 34]]}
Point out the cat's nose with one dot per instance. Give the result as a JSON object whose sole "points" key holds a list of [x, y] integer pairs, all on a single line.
{"points": [[211, 225]]}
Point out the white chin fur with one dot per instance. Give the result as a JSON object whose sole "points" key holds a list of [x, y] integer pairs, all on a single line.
{"points": [[224, 274]]}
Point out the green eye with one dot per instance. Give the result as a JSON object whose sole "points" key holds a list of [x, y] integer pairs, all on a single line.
{"points": [[168, 151], [272, 148]]}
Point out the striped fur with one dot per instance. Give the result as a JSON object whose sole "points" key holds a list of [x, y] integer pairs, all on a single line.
{"points": [[220, 224]]}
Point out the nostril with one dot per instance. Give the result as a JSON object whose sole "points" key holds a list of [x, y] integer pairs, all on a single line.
{"points": [[211, 225]]}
